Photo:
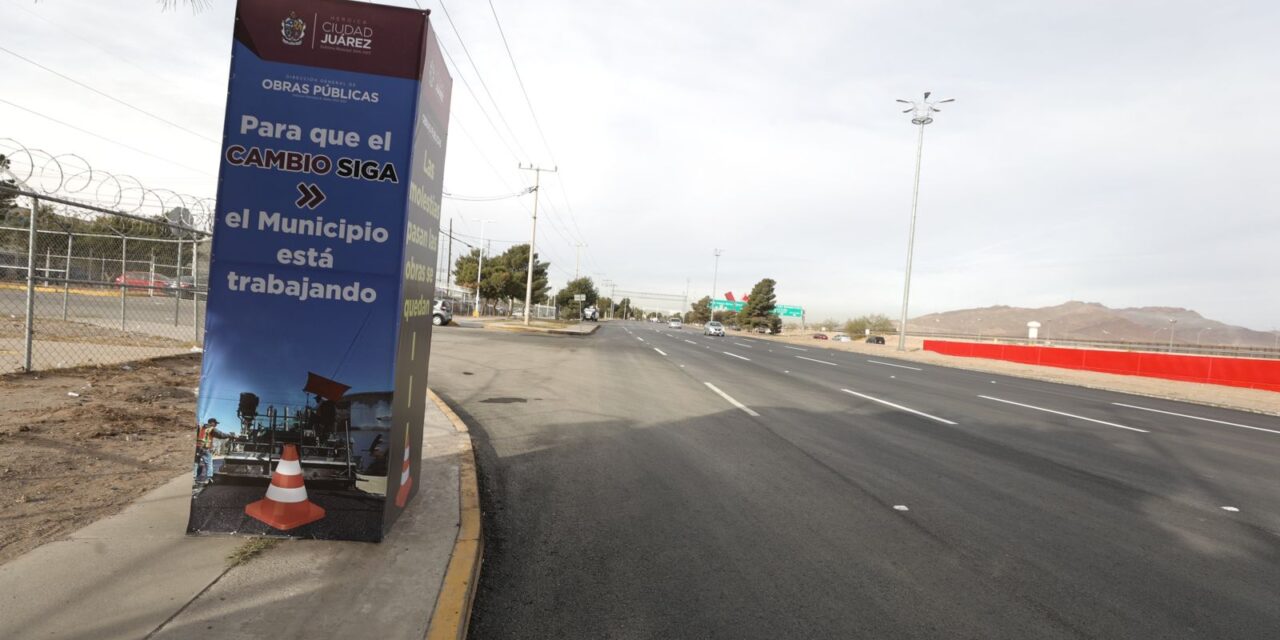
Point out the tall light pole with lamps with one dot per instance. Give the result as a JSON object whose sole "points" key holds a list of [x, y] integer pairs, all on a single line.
{"points": [[475, 313], [715, 275], [921, 114], [1172, 322]]}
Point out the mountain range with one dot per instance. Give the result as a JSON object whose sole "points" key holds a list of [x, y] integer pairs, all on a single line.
{"points": [[1076, 320]]}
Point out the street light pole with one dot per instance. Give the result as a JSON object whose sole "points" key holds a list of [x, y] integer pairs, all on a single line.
{"points": [[921, 115], [1200, 333], [533, 235], [1171, 323], [475, 313], [715, 275]]}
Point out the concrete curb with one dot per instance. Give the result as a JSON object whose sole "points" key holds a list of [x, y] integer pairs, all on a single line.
{"points": [[524, 329], [452, 613]]}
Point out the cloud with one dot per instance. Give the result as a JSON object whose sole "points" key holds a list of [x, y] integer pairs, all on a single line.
{"points": [[1119, 152]]}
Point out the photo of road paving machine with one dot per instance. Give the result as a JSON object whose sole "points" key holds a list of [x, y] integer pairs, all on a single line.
{"points": [[342, 443]]}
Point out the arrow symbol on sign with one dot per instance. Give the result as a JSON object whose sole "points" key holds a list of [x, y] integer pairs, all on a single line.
{"points": [[312, 196]]}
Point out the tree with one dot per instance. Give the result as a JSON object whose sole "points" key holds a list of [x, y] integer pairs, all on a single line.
{"points": [[464, 273], [876, 322], [701, 311], [571, 308], [758, 311], [724, 316], [504, 274], [515, 262]]}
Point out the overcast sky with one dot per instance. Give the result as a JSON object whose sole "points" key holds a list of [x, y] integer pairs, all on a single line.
{"points": [[1118, 152]]}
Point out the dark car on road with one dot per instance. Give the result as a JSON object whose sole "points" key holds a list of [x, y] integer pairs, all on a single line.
{"points": [[875, 339], [820, 336]]}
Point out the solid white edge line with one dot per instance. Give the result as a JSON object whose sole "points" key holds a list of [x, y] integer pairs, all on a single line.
{"points": [[736, 356], [1183, 415], [890, 364], [731, 400], [898, 406], [660, 351], [819, 361], [1063, 413]]}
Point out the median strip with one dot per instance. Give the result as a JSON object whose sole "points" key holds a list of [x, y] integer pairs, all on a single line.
{"points": [[734, 355], [1183, 415], [898, 406], [1063, 413], [890, 364], [731, 400], [818, 361]]}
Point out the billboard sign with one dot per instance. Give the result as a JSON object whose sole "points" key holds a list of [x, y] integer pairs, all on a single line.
{"points": [[322, 271]]}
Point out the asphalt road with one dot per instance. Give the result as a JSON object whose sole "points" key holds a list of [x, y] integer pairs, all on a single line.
{"points": [[652, 483]]}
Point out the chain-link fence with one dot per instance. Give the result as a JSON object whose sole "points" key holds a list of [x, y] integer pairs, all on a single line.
{"points": [[87, 284]]}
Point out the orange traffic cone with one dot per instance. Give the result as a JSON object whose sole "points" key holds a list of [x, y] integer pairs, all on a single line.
{"points": [[406, 481], [286, 505]]}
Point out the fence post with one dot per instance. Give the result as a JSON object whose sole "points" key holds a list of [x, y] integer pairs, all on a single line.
{"points": [[124, 267], [177, 294], [66, 276], [195, 290], [27, 330], [151, 283]]}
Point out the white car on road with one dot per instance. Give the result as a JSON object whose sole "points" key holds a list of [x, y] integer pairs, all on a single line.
{"points": [[713, 328], [675, 323]]}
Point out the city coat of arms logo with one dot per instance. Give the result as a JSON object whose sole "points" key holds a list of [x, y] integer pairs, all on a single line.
{"points": [[292, 29]]}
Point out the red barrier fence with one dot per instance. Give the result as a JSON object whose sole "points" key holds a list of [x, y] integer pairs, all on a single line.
{"points": [[1234, 372]]}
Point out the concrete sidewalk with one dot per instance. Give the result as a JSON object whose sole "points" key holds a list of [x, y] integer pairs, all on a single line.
{"points": [[137, 575]]}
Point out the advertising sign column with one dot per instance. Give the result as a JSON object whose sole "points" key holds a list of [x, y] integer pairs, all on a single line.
{"points": [[322, 271]]}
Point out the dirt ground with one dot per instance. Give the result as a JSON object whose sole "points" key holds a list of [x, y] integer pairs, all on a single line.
{"points": [[52, 330], [77, 445], [1210, 394]]}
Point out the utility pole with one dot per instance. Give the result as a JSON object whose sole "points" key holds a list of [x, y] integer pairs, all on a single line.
{"points": [[533, 234], [577, 260], [922, 114], [715, 275], [475, 313], [448, 268], [685, 308], [612, 302]]}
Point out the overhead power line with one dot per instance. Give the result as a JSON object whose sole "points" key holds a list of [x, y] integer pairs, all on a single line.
{"points": [[104, 138], [108, 96], [536, 123], [480, 78], [517, 194]]}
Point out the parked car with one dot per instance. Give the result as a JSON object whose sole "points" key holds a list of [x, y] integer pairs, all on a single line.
{"points": [[590, 314], [819, 336], [675, 323], [183, 286], [763, 329], [442, 313], [713, 328], [841, 337], [875, 339], [143, 279]]}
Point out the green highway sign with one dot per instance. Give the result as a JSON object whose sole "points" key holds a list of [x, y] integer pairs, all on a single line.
{"points": [[778, 310]]}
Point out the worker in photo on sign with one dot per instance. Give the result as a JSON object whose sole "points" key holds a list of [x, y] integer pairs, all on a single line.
{"points": [[204, 450]]}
